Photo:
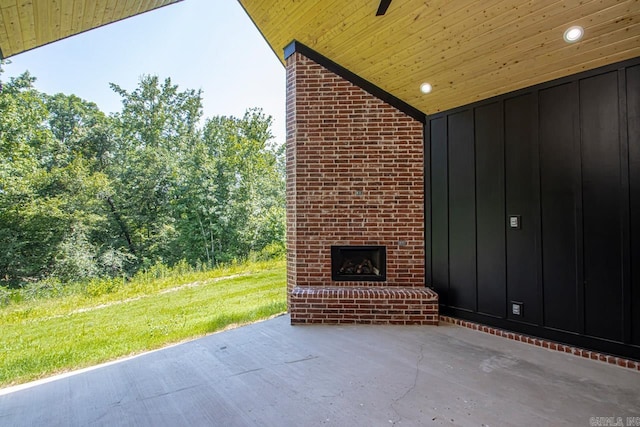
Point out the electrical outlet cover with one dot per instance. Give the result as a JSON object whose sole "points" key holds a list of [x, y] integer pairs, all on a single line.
{"points": [[516, 308]]}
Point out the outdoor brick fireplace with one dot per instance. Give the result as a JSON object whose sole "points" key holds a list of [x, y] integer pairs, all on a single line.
{"points": [[355, 203]]}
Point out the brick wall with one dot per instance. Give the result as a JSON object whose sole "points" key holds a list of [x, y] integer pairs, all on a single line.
{"points": [[355, 176], [372, 305]]}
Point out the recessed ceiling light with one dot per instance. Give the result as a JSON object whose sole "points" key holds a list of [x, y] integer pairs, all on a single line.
{"points": [[573, 34], [425, 88]]}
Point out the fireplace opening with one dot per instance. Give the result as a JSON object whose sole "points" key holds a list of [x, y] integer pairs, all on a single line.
{"points": [[359, 263]]}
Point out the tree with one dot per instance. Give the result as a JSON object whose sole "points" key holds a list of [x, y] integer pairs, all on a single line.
{"points": [[157, 122], [83, 194], [79, 128], [237, 188], [49, 193], [23, 139]]}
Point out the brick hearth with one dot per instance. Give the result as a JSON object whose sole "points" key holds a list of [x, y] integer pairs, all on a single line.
{"points": [[355, 176], [374, 305]]}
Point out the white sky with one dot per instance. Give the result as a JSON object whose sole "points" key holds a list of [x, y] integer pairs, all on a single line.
{"points": [[201, 44]]}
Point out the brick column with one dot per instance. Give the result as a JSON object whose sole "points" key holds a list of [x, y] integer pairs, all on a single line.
{"points": [[355, 176]]}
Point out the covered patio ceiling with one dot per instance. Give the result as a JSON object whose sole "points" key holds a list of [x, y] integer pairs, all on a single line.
{"points": [[467, 50], [27, 24]]}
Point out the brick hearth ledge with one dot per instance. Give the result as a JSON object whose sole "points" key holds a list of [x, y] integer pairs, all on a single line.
{"points": [[364, 305]]}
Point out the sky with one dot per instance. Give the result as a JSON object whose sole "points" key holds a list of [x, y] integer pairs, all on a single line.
{"points": [[201, 44]]}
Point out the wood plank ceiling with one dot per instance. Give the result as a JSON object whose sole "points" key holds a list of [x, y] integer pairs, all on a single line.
{"points": [[26, 24], [467, 50]]}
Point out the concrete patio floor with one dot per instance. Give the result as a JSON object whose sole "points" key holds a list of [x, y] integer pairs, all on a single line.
{"points": [[274, 374]]}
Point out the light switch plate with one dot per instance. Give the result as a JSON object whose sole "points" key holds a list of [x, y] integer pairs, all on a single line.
{"points": [[515, 221]]}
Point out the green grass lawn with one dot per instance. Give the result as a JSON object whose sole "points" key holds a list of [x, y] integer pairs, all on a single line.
{"points": [[40, 338]]}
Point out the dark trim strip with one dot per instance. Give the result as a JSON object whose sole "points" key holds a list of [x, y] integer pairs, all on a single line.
{"points": [[1, 54], [536, 214], [428, 277], [625, 207], [382, 9], [296, 46], [579, 215]]}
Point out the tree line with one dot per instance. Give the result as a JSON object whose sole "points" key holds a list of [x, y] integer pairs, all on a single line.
{"points": [[84, 194]]}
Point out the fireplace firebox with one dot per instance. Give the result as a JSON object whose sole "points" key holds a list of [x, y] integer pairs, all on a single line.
{"points": [[359, 263]]}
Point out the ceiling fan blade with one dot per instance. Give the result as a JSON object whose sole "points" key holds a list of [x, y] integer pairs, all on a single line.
{"points": [[382, 9]]}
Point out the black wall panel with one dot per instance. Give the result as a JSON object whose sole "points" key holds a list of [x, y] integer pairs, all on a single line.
{"points": [[521, 200], [490, 210], [439, 209], [601, 179], [559, 181], [633, 126], [564, 156], [462, 210]]}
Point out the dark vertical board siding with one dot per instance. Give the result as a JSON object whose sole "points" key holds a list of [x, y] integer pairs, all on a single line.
{"points": [[492, 285], [462, 211], [565, 156], [559, 153], [633, 126], [440, 209], [521, 158], [601, 206]]}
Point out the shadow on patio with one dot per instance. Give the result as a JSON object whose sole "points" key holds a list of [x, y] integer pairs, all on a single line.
{"points": [[274, 374]]}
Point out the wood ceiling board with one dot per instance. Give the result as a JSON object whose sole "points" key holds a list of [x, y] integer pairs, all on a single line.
{"points": [[3, 35], [11, 16], [88, 14], [40, 14], [132, 7], [108, 12], [149, 3], [449, 57], [403, 30], [519, 51], [593, 54], [306, 16], [484, 86], [459, 44], [26, 24], [98, 14], [55, 19], [465, 49], [560, 59], [66, 19], [77, 16], [342, 23]]}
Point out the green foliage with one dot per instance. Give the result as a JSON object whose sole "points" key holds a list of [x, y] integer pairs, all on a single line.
{"points": [[104, 319], [47, 288], [99, 287], [238, 207], [5, 296], [87, 196], [272, 251]]}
